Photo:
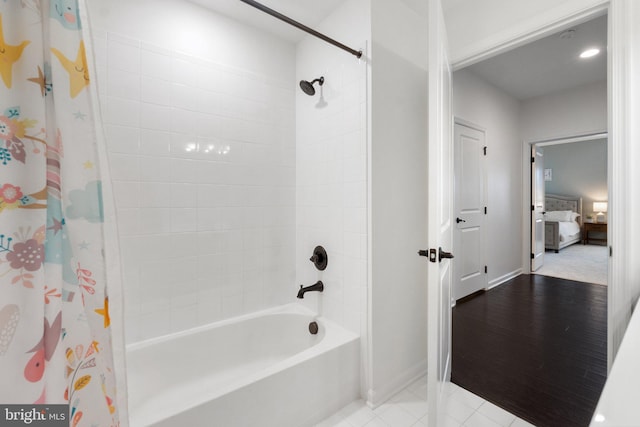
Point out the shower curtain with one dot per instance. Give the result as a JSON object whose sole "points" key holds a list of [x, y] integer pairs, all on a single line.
{"points": [[56, 337]]}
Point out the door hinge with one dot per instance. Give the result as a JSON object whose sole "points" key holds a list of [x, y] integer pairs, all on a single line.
{"points": [[533, 256], [485, 150], [533, 208], [610, 251], [485, 210], [485, 269], [533, 159]]}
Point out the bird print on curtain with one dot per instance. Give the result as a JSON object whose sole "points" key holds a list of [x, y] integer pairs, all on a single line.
{"points": [[55, 337]]}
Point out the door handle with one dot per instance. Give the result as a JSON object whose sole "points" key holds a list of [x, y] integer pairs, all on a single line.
{"points": [[429, 253], [459, 220], [442, 254]]}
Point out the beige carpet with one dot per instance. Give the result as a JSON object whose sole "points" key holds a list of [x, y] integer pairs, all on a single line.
{"points": [[583, 263]]}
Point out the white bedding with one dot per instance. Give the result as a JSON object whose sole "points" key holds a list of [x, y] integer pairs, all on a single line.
{"points": [[568, 230]]}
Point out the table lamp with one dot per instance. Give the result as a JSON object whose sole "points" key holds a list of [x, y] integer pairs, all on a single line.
{"points": [[600, 208]]}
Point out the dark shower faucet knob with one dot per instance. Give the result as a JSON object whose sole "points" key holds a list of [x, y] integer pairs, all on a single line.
{"points": [[319, 258]]}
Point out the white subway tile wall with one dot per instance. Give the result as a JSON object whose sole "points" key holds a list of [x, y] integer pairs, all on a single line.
{"points": [[226, 176], [331, 176], [202, 156]]}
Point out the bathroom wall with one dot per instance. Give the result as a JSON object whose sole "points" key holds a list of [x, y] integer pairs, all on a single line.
{"points": [[199, 113], [331, 172], [624, 155], [399, 193], [338, 163]]}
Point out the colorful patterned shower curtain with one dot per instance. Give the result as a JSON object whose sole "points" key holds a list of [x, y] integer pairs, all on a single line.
{"points": [[56, 340]]}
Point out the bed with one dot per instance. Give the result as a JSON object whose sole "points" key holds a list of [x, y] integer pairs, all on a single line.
{"points": [[563, 221]]}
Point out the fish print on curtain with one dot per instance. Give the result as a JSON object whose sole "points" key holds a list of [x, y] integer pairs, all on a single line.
{"points": [[55, 338]]}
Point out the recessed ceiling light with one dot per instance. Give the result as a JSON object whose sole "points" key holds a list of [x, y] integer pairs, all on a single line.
{"points": [[589, 53]]}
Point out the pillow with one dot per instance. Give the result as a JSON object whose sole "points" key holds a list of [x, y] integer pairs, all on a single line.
{"points": [[575, 216], [561, 216]]}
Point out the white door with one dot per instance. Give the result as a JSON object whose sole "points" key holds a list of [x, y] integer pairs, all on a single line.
{"points": [[469, 270], [440, 214], [537, 207]]}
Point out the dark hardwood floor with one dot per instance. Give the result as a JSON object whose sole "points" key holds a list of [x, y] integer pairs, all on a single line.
{"points": [[535, 346]]}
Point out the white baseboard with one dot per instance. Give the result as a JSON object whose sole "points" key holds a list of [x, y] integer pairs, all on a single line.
{"points": [[504, 278], [377, 397]]}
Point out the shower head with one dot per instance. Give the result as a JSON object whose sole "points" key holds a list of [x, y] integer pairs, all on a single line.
{"points": [[307, 87]]}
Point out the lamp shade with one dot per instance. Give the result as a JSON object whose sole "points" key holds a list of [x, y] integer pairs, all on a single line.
{"points": [[599, 206]]}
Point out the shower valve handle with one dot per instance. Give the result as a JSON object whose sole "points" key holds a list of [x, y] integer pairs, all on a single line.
{"points": [[319, 258]]}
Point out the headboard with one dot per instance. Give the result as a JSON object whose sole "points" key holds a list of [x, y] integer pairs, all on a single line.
{"points": [[556, 202]]}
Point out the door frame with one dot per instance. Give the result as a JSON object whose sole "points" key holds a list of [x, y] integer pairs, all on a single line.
{"points": [[620, 298], [485, 181], [533, 212], [527, 188], [439, 214]]}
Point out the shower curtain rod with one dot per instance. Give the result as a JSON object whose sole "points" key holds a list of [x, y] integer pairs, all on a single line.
{"points": [[276, 14]]}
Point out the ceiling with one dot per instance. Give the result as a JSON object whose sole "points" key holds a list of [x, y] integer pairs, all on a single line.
{"points": [[550, 64], [547, 65], [307, 12]]}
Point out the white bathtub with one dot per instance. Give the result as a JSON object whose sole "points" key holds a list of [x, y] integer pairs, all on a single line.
{"points": [[263, 369]]}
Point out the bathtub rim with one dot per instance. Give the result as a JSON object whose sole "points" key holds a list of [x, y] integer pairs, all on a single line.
{"points": [[335, 336], [290, 308]]}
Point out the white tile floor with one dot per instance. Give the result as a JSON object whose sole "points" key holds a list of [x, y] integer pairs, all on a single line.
{"points": [[409, 408]]}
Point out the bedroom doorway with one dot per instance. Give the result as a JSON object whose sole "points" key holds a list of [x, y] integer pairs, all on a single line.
{"points": [[574, 187]]}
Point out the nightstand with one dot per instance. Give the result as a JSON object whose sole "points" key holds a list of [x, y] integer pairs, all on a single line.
{"points": [[594, 227]]}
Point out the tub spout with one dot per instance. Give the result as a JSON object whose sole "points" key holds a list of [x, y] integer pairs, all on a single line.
{"points": [[318, 286]]}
